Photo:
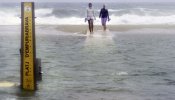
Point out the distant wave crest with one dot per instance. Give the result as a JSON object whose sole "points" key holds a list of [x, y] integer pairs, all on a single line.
{"points": [[55, 16]]}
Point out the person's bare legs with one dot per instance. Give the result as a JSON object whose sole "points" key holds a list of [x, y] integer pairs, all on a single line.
{"points": [[103, 21], [92, 26], [89, 22], [104, 27]]}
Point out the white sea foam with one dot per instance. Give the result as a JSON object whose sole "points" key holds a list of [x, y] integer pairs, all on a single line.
{"points": [[115, 20], [43, 12], [9, 18], [51, 17]]}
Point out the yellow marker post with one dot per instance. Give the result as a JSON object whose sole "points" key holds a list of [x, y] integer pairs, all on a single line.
{"points": [[28, 56]]}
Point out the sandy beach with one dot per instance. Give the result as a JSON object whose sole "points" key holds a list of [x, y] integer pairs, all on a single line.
{"points": [[84, 28]]}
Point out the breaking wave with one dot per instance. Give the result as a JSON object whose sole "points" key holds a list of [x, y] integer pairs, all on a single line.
{"points": [[55, 16]]}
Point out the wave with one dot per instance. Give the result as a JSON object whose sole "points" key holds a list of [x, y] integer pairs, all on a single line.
{"points": [[115, 20], [55, 16], [9, 17]]}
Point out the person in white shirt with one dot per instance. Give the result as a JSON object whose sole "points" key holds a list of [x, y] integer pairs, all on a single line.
{"points": [[90, 16]]}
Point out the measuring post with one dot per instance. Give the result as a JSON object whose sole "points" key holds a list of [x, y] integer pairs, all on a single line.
{"points": [[28, 51]]}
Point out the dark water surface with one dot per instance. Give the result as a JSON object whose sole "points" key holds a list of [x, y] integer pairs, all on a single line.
{"points": [[132, 65]]}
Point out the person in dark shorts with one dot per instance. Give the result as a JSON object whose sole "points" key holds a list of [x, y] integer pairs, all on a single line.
{"points": [[104, 15]]}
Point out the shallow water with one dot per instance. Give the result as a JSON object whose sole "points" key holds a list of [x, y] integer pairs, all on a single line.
{"points": [[132, 65]]}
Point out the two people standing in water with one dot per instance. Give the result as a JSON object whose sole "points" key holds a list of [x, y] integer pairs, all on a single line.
{"points": [[104, 15]]}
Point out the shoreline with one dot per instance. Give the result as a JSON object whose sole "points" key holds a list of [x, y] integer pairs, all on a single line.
{"points": [[119, 28], [84, 28]]}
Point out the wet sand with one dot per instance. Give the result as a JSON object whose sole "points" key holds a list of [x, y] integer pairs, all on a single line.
{"points": [[121, 28]]}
